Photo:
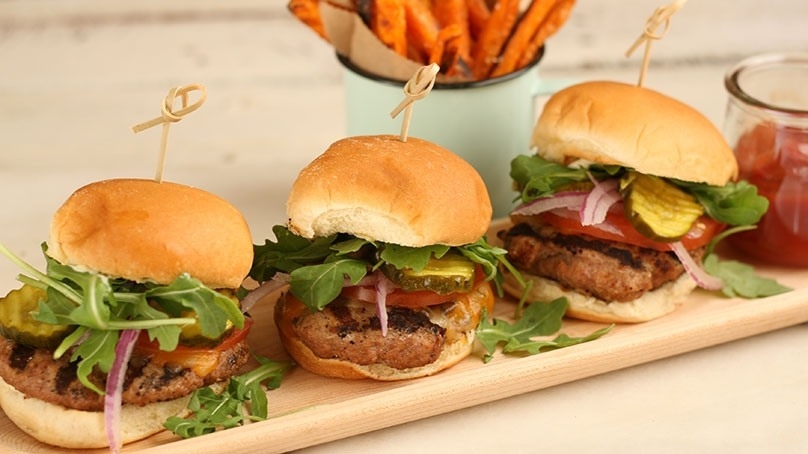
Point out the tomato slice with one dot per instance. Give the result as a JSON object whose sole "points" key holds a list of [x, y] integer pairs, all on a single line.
{"points": [[201, 360], [403, 298], [398, 297], [701, 233], [238, 335]]}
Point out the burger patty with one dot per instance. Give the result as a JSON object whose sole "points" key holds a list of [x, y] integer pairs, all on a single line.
{"points": [[34, 372], [351, 331], [607, 270]]}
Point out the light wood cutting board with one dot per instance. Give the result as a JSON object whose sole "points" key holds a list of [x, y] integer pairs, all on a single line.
{"points": [[308, 410]]}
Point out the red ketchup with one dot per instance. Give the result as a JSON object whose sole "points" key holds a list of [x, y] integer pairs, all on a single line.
{"points": [[767, 121], [775, 159]]}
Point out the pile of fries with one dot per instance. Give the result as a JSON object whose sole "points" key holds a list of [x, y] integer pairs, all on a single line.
{"points": [[468, 39]]}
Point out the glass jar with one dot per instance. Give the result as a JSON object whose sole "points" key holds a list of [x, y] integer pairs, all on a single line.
{"points": [[766, 124]]}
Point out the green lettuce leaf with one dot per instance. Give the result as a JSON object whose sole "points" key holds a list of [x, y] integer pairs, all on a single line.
{"points": [[100, 307], [243, 400], [733, 204], [319, 268], [538, 319]]}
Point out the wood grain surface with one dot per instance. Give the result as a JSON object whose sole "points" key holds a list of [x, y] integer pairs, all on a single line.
{"points": [[308, 410]]}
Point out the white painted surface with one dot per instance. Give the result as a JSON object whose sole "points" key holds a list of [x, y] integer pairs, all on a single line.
{"points": [[76, 75]]}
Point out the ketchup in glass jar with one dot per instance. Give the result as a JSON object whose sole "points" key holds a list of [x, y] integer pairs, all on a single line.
{"points": [[767, 125]]}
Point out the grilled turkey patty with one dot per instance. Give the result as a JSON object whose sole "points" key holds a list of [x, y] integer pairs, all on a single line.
{"points": [[350, 330], [607, 270], [35, 373]]}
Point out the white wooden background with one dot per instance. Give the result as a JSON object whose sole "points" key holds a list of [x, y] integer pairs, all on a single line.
{"points": [[75, 75]]}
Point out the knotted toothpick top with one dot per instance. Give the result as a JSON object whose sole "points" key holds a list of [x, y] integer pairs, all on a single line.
{"points": [[169, 115], [416, 88], [661, 16]]}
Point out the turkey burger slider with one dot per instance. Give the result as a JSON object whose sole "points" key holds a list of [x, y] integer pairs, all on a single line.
{"points": [[626, 189], [386, 260], [135, 311]]}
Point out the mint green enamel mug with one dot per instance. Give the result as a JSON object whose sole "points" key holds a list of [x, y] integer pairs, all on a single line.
{"points": [[487, 122]]}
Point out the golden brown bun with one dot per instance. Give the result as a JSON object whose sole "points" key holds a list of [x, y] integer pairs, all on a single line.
{"points": [[616, 123], [75, 429], [287, 308], [143, 230], [651, 305], [411, 193]]}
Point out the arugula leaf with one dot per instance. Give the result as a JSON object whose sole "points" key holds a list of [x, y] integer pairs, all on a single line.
{"points": [[93, 287], [100, 307], [97, 349], [167, 336], [288, 253], [212, 308], [734, 203], [415, 258], [741, 279], [537, 177], [349, 246], [490, 258], [318, 268], [318, 285], [538, 319], [212, 410]]}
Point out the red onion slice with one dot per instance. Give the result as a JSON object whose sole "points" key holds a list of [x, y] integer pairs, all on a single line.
{"points": [[114, 389], [695, 270], [384, 287], [599, 200], [572, 200], [278, 281]]}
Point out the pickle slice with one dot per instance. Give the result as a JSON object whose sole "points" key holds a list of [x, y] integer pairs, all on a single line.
{"points": [[191, 335], [451, 273], [17, 324], [658, 209]]}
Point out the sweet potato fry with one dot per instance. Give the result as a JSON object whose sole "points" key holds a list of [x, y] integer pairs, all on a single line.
{"points": [[422, 27], [454, 13], [308, 12], [485, 52], [364, 8], [528, 26], [445, 35], [478, 16], [388, 22], [555, 19]]}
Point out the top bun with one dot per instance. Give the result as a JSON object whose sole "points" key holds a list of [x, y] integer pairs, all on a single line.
{"points": [[143, 230], [616, 123], [412, 193]]}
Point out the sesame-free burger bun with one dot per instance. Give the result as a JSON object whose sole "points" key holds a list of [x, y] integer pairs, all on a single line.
{"points": [[412, 193], [651, 305], [617, 123], [142, 230], [76, 429]]}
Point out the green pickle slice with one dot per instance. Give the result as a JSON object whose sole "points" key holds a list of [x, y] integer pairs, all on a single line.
{"points": [[191, 335], [17, 324], [451, 273], [658, 209]]}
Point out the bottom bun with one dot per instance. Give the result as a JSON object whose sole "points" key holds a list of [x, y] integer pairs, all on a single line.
{"points": [[651, 305], [76, 429]]}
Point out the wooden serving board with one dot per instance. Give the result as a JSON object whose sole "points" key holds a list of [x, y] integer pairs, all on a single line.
{"points": [[305, 403]]}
